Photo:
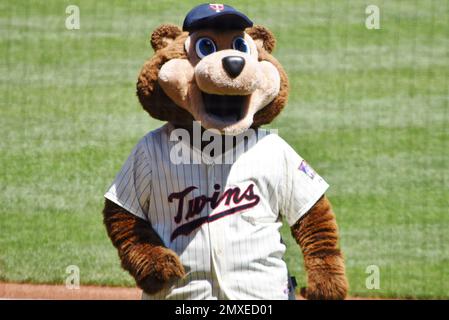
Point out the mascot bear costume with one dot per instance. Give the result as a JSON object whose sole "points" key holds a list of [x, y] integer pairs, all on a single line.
{"points": [[195, 211]]}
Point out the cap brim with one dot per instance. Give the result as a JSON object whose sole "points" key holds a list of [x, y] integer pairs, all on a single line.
{"points": [[221, 21]]}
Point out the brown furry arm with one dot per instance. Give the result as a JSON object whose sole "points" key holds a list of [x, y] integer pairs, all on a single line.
{"points": [[140, 249], [317, 234]]}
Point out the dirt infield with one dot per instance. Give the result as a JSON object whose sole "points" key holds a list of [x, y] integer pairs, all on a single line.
{"points": [[60, 292]]}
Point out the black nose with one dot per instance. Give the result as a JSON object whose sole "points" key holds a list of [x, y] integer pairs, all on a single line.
{"points": [[233, 65]]}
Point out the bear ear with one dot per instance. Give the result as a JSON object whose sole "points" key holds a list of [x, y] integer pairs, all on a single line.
{"points": [[164, 35], [262, 37]]}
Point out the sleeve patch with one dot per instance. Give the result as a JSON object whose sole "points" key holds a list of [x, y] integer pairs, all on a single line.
{"points": [[307, 169]]}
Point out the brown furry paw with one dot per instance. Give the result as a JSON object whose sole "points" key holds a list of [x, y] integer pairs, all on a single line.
{"points": [[165, 268], [325, 286]]}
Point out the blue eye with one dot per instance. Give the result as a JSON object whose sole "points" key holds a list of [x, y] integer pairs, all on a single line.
{"points": [[240, 44], [204, 47]]}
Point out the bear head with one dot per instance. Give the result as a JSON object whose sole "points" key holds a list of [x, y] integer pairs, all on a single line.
{"points": [[225, 79]]}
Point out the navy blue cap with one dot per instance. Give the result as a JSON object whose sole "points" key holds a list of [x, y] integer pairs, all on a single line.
{"points": [[215, 16]]}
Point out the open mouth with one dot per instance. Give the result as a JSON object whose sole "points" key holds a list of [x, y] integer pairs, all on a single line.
{"points": [[225, 108]]}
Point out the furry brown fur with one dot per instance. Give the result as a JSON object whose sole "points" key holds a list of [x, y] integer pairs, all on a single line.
{"points": [[140, 249], [151, 96], [263, 37], [164, 35], [317, 235], [272, 110]]}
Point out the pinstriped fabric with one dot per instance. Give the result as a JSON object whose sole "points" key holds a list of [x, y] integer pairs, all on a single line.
{"points": [[132, 186], [233, 249]]}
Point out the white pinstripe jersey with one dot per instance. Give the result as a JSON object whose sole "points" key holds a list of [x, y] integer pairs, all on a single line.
{"points": [[222, 220]]}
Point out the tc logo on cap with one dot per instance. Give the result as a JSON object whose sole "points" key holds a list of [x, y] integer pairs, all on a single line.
{"points": [[217, 7]]}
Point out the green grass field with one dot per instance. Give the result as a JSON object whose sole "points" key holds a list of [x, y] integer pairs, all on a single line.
{"points": [[368, 109]]}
